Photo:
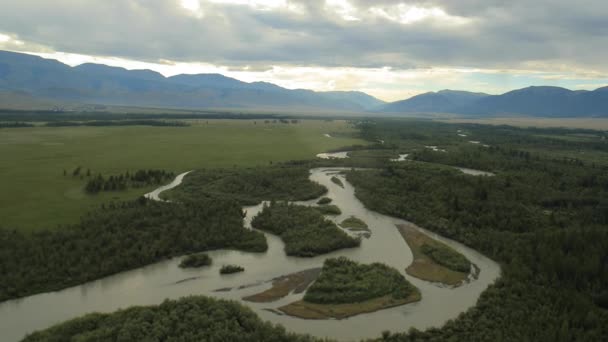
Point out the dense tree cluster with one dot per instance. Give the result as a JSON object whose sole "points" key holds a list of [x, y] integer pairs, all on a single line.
{"points": [[304, 230], [543, 218], [189, 319], [15, 124], [119, 237], [100, 123], [447, 257], [324, 201], [346, 281], [137, 179], [229, 269], [249, 186], [196, 260]]}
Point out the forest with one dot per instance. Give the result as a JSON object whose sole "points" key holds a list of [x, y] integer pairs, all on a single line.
{"points": [[193, 318], [118, 237], [346, 281], [303, 229], [542, 217], [249, 186]]}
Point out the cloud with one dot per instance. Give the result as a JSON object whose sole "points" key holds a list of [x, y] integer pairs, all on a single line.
{"points": [[361, 37], [399, 34]]}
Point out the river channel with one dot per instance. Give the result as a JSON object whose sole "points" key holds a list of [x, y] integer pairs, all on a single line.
{"points": [[153, 283]]}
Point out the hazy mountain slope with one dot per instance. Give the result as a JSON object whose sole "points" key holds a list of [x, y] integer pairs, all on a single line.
{"points": [[531, 101], [433, 102], [94, 83]]}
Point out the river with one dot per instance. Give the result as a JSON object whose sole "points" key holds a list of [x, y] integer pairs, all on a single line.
{"points": [[154, 283]]}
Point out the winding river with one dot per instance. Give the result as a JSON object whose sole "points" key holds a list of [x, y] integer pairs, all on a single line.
{"points": [[154, 283]]}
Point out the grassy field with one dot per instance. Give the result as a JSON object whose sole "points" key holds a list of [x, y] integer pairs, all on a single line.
{"points": [[306, 310], [423, 266], [36, 194]]}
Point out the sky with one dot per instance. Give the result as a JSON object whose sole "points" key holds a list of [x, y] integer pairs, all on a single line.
{"points": [[390, 49]]}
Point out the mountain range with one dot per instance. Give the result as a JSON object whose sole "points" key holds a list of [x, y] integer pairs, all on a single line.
{"points": [[32, 79]]}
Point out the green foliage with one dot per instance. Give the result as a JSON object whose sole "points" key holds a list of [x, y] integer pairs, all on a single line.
{"points": [[304, 230], [138, 179], [229, 269], [188, 319], [354, 223], [249, 186], [337, 180], [324, 200], [346, 281], [15, 124], [543, 218], [35, 195], [120, 237], [196, 260], [329, 210], [447, 257], [99, 123]]}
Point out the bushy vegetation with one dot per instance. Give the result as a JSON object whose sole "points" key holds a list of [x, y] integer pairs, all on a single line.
{"points": [[447, 257], [324, 200], [329, 210], [542, 217], [15, 124], [337, 181], [138, 179], [187, 319], [346, 281], [119, 237], [354, 223], [229, 269], [250, 186], [304, 230], [157, 123], [196, 260]]}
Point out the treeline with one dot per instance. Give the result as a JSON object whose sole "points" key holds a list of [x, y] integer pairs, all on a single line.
{"points": [[249, 186], [118, 237], [545, 219], [137, 179], [346, 281], [15, 124], [158, 123], [304, 230], [51, 115], [193, 318]]}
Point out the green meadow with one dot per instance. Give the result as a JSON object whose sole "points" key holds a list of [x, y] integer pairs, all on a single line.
{"points": [[35, 193]]}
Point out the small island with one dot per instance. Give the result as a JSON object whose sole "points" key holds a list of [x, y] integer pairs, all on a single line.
{"points": [[337, 181], [195, 260], [304, 230], [346, 288], [229, 269], [434, 261], [355, 224], [329, 210], [324, 200]]}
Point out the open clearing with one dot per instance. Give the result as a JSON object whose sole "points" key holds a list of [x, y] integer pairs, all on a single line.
{"points": [[36, 194]]}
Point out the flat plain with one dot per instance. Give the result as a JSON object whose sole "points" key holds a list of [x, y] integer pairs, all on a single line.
{"points": [[37, 195]]}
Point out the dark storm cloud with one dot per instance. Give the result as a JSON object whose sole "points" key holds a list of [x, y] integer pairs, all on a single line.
{"points": [[495, 34]]}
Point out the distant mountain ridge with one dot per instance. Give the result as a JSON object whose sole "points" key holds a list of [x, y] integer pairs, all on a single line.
{"points": [[542, 101], [101, 84], [31, 79]]}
